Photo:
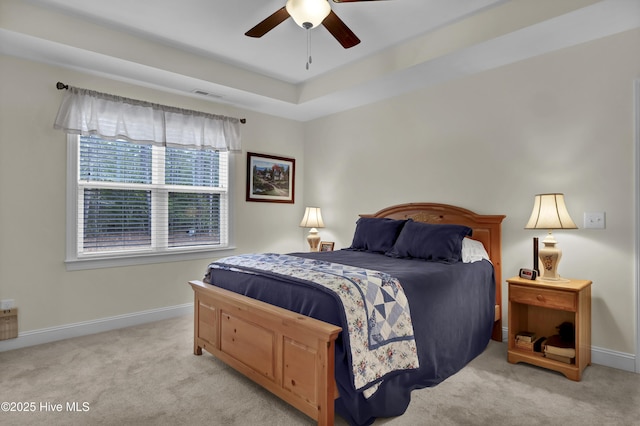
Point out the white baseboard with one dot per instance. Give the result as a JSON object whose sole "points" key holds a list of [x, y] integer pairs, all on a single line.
{"points": [[613, 359], [52, 334], [602, 356]]}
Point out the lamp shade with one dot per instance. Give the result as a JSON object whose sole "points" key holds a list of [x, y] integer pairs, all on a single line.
{"points": [[312, 218], [550, 212], [311, 11]]}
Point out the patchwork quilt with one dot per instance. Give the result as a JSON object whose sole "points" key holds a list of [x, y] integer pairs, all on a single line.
{"points": [[378, 319]]}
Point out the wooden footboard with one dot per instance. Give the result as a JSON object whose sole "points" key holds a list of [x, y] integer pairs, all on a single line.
{"points": [[289, 354]]}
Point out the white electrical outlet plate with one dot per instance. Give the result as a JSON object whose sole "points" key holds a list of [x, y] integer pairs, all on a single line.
{"points": [[6, 304], [594, 220]]}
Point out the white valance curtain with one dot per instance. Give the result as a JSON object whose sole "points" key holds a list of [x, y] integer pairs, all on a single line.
{"points": [[86, 112]]}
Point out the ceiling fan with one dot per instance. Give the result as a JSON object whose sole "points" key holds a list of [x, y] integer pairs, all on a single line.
{"points": [[309, 14]]}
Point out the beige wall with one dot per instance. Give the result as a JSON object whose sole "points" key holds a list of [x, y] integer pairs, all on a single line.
{"points": [[562, 122], [32, 205]]}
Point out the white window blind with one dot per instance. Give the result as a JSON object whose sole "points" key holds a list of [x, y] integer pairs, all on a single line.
{"points": [[137, 197]]}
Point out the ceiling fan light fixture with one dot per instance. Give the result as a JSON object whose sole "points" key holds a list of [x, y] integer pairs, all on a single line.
{"points": [[305, 12]]}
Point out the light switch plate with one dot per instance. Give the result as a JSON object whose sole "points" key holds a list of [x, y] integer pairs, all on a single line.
{"points": [[594, 220]]}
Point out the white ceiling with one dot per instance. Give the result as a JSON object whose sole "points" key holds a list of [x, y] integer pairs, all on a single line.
{"points": [[200, 44], [215, 28]]}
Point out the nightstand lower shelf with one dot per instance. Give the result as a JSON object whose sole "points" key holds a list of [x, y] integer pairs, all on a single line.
{"points": [[571, 371]]}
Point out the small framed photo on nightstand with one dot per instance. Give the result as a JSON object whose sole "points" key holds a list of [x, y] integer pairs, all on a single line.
{"points": [[326, 245]]}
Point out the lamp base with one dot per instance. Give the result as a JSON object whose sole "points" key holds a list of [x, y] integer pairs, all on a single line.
{"points": [[313, 238], [549, 257]]}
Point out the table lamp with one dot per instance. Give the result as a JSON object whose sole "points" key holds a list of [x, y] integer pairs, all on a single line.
{"points": [[550, 212], [312, 219]]}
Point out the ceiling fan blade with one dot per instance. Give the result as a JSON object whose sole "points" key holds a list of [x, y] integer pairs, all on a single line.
{"points": [[340, 31], [269, 23]]}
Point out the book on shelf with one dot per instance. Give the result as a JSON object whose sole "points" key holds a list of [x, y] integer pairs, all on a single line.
{"points": [[538, 345], [526, 346], [526, 336], [565, 359], [556, 346], [568, 352]]}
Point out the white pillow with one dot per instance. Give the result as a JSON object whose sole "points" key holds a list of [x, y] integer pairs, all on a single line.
{"points": [[473, 251]]}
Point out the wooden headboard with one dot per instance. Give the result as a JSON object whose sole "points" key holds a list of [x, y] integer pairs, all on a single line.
{"points": [[486, 228]]}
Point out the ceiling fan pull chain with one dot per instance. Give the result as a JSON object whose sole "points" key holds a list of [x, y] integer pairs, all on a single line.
{"points": [[308, 26], [308, 48]]}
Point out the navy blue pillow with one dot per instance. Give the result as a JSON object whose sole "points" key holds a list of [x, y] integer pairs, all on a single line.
{"points": [[376, 234], [432, 242]]}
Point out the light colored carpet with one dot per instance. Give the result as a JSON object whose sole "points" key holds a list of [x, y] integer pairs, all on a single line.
{"points": [[147, 375]]}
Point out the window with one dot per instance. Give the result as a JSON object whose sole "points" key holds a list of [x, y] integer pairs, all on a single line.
{"points": [[145, 182], [139, 199]]}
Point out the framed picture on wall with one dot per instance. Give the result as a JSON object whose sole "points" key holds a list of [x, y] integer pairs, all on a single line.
{"points": [[270, 179]]}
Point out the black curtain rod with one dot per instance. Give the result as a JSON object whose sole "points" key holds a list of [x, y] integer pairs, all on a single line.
{"points": [[62, 86]]}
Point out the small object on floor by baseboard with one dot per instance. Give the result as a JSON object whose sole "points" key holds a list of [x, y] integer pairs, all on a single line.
{"points": [[9, 324]]}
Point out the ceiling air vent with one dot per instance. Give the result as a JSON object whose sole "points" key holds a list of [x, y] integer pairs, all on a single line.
{"points": [[205, 93]]}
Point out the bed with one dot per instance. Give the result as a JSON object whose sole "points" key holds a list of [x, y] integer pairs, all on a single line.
{"points": [[288, 338]]}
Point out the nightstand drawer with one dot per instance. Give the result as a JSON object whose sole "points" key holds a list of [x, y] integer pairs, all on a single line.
{"points": [[554, 299]]}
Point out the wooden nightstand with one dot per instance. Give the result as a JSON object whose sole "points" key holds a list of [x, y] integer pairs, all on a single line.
{"points": [[540, 306]]}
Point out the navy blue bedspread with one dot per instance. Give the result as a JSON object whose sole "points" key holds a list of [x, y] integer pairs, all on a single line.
{"points": [[452, 308]]}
